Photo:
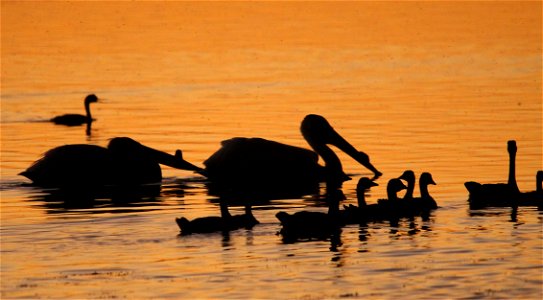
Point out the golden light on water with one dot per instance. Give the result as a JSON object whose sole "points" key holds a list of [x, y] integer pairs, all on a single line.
{"points": [[428, 86]]}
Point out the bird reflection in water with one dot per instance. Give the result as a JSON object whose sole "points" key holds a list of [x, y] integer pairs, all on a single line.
{"points": [[112, 199]]}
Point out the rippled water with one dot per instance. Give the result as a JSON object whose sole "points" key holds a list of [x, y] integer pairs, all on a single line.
{"points": [[437, 87]]}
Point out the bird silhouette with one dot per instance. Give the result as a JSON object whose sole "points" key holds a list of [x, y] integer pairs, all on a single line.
{"points": [[77, 119]]}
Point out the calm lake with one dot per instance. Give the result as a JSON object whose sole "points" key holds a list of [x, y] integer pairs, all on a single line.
{"points": [[435, 87]]}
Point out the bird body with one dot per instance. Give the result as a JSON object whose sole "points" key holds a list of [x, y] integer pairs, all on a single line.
{"points": [[123, 162], [77, 119], [257, 161], [223, 223]]}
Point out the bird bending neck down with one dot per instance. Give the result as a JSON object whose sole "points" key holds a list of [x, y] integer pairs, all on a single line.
{"points": [[319, 134], [123, 162], [262, 164]]}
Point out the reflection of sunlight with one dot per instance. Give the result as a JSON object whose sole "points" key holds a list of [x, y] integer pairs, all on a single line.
{"points": [[435, 87]]}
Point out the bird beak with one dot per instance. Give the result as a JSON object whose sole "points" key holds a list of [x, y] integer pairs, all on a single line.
{"points": [[174, 161], [361, 157]]}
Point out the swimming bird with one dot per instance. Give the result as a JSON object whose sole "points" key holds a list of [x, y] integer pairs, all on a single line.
{"points": [[257, 161], [77, 119], [123, 162], [534, 197], [225, 223], [496, 194], [352, 214], [364, 184], [425, 202], [409, 177], [384, 209]]}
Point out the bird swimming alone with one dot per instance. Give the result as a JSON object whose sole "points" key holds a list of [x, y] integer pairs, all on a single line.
{"points": [[256, 161], [503, 194], [123, 162], [77, 119]]}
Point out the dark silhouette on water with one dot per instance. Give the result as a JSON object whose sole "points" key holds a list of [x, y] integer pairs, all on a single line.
{"points": [[535, 196], [393, 208], [502, 194], [409, 177], [77, 119], [262, 163], [314, 225], [425, 202], [123, 162], [224, 223], [385, 209]]}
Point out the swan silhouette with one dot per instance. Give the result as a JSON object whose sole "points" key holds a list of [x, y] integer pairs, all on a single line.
{"points": [[123, 162], [77, 119], [501, 194], [225, 223], [254, 161]]}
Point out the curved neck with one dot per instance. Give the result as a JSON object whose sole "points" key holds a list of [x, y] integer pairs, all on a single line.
{"points": [[424, 191], [392, 195], [87, 109], [410, 189], [332, 164], [360, 195], [512, 181]]}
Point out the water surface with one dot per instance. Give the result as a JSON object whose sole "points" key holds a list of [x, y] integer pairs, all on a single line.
{"points": [[437, 87]]}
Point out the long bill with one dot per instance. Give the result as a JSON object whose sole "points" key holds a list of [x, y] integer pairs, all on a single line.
{"points": [[174, 161], [361, 157]]}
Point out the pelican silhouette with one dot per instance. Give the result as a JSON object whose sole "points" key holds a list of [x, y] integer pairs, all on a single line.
{"points": [[77, 119], [123, 162], [254, 161]]}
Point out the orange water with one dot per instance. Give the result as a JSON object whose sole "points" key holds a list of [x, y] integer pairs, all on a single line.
{"points": [[427, 86]]}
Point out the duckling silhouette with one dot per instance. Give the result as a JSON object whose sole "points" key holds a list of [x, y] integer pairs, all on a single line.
{"points": [[409, 177], [358, 214], [310, 225], [384, 209], [77, 119], [425, 201], [224, 223]]}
